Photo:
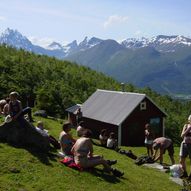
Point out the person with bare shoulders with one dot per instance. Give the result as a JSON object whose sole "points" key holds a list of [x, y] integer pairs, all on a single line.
{"points": [[185, 148], [162, 144], [80, 129], [83, 155], [66, 139]]}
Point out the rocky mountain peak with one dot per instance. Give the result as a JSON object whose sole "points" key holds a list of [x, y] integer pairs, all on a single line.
{"points": [[15, 39]]}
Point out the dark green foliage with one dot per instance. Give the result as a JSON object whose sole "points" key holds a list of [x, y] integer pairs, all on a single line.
{"points": [[56, 85]]}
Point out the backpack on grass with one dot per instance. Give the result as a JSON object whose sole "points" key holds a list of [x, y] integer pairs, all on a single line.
{"points": [[144, 159]]}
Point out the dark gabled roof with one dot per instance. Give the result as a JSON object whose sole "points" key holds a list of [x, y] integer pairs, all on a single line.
{"points": [[111, 106], [73, 109]]}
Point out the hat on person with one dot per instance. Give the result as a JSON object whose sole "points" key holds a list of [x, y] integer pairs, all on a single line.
{"points": [[189, 118], [15, 94]]}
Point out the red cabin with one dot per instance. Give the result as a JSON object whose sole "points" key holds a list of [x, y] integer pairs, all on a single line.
{"points": [[124, 113]]}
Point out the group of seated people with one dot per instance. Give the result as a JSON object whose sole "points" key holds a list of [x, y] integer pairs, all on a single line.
{"points": [[82, 149], [108, 140]]}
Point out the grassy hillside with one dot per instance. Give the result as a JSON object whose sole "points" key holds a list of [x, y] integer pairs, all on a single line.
{"points": [[24, 169]]}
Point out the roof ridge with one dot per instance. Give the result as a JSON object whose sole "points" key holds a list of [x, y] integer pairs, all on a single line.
{"points": [[121, 92]]}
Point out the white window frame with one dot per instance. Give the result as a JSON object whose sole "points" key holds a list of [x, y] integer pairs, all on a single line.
{"points": [[143, 105]]}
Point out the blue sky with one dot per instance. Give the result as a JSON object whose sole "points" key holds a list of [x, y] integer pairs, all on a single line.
{"points": [[66, 20]]}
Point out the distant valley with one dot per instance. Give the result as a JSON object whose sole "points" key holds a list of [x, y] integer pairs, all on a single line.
{"points": [[162, 63]]}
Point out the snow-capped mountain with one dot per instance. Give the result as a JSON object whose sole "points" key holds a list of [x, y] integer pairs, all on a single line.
{"points": [[15, 39], [74, 46], [89, 43], [134, 43], [162, 39], [158, 62], [161, 43]]}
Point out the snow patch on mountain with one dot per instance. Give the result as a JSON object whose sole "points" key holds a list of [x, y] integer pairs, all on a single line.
{"points": [[161, 43], [15, 39], [88, 43]]}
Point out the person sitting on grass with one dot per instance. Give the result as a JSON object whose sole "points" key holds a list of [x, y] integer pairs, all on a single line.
{"points": [[162, 144], [44, 132], [103, 137], [2, 103], [112, 142], [66, 140], [15, 109], [80, 129], [84, 157], [4, 107]]}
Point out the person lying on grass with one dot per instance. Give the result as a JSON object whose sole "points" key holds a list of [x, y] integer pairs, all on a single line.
{"points": [[83, 155]]}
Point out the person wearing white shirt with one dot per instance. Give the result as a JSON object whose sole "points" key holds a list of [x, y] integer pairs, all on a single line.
{"points": [[44, 133], [111, 141]]}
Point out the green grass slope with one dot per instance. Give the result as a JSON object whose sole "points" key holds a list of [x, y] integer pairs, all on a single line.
{"points": [[24, 169]]}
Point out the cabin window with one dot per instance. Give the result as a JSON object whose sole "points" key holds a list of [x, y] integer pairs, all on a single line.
{"points": [[143, 105], [155, 124]]}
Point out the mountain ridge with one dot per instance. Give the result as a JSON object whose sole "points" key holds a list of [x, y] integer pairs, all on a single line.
{"points": [[156, 62], [19, 41]]}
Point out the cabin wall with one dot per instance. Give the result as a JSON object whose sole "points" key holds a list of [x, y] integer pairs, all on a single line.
{"points": [[133, 127], [96, 127]]}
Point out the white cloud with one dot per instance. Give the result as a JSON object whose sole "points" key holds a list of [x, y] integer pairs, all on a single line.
{"points": [[2, 18], [44, 42], [115, 19]]}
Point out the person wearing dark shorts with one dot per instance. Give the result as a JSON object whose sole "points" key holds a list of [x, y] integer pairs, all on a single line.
{"points": [[162, 144]]}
